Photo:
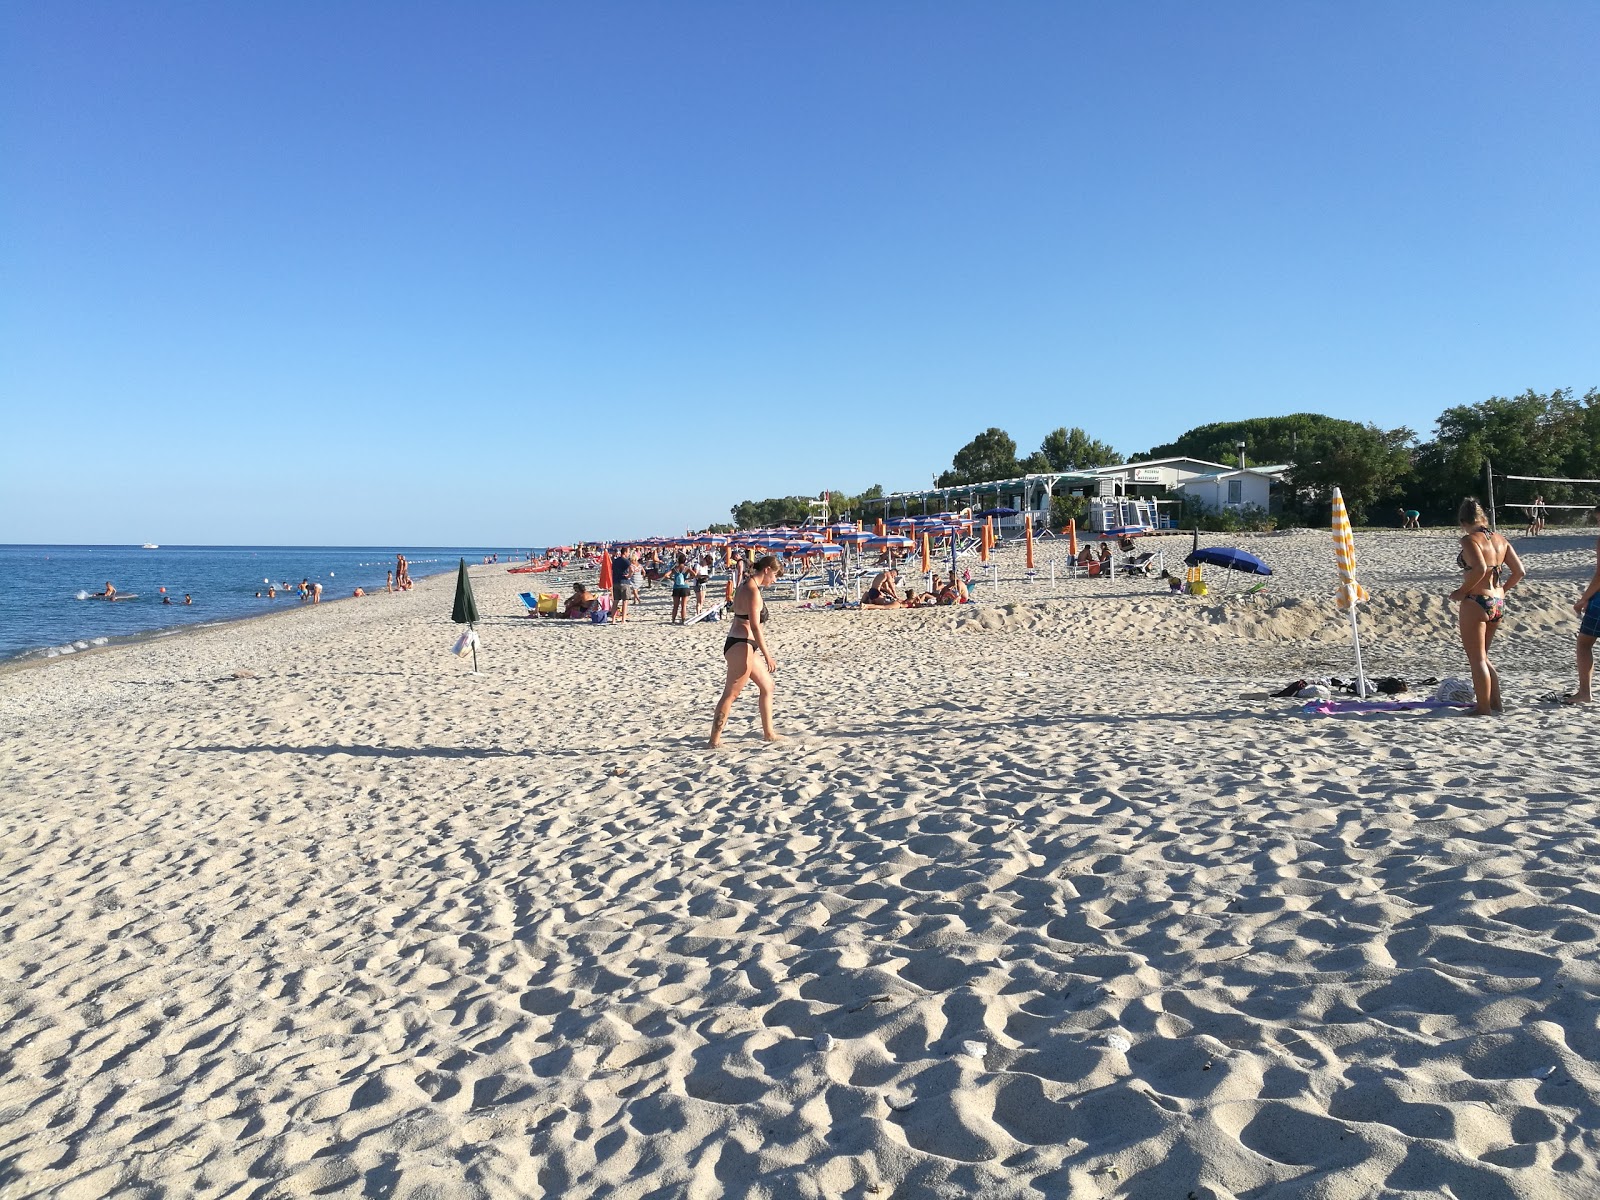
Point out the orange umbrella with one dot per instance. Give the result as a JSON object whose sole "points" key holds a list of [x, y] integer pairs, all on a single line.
{"points": [[877, 527], [927, 563], [1072, 537], [983, 541], [1027, 533], [605, 572]]}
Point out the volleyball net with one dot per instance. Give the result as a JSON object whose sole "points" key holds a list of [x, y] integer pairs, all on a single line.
{"points": [[1538, 498]]}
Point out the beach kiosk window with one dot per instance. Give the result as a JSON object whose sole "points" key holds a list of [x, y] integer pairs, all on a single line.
{"points": [[1235, 491]]}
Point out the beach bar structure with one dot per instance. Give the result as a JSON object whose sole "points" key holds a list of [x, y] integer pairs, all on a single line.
{"points": [[1124, 495]]}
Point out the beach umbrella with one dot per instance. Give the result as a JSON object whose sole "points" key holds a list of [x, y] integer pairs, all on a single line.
{"points": [[1228, 559], [1000, 510], [927, 562], [465, 611], [1349, 593], [605, 581], [1072, 537], [1027, 533]]}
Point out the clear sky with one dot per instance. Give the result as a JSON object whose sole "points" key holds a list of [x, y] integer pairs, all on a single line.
{"points": [[515, 273]]}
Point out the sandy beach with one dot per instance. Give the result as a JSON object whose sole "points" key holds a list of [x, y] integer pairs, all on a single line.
{"points": [[1042, 898]]}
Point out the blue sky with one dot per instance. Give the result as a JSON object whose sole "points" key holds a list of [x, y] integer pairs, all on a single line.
{"points": [[516, 273]]}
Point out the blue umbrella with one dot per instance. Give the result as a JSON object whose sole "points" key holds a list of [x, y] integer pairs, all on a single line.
{"points": [[1229, 559]]}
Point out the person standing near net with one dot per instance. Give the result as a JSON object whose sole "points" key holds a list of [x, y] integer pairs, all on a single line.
{"points": [[1588, 608], [1536, 512]]}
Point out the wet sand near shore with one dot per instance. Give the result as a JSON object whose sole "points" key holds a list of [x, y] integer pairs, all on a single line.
{"points": [[1042, 897]]}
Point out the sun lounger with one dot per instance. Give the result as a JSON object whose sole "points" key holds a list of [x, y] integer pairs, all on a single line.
{"points": [[707, 614]]}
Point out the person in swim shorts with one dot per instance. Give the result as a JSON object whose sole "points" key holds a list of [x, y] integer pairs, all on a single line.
{"points": [[1588, 608]]}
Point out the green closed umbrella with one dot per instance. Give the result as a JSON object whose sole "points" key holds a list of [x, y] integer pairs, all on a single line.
{"points": [[465, 611]]}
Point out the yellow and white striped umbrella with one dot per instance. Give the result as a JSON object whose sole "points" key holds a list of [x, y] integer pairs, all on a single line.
{"points": [[1344, 552]]}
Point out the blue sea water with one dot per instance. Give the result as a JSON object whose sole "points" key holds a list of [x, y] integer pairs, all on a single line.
{"points": [[46, 608]]}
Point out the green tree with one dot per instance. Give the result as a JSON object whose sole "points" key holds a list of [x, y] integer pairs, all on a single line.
{"points": [[1067, 507], [990, 455], [1035, 464], [1530, 434], [1074, 450], [1366, 463]]}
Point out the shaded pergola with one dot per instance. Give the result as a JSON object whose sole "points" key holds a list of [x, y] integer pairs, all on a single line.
{"points": [[1024, 490]]}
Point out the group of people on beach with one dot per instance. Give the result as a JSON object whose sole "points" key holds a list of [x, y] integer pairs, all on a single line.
{"points": [[942, 590], [1490, 569]]}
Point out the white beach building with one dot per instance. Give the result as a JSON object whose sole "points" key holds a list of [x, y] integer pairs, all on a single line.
{"points": [[1239, 488]]}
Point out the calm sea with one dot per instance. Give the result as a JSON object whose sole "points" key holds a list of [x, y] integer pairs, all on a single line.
{"points": [[46, 609]]}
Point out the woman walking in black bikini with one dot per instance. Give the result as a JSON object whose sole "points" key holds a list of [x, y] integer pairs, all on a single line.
{"points": [[1483, 599], [745, 650]]}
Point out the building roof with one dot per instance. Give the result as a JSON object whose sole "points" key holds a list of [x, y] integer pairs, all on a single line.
{"points": [[1268, 473], [1158, 462]]}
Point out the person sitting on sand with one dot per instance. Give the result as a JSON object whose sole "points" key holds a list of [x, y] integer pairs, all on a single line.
{"points": [[883, 593], [581, 605], [359, 592], [1588, 607], [953, 592]]}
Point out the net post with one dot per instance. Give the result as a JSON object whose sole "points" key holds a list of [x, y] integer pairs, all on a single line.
{"points": [[1488, 480]]}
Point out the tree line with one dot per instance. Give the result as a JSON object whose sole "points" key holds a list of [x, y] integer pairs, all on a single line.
{"points": [[1377, 470]]}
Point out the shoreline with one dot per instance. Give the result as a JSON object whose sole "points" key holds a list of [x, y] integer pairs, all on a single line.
{"points": [[42, 656], [39, 658]]}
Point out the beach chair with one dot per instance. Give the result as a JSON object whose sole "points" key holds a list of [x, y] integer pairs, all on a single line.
{"points": [[530, 601], [548, 604], [967, 547]]}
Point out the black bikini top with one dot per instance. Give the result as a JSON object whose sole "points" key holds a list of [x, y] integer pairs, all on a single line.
{"points": [[746, 616], [1461, 559]]}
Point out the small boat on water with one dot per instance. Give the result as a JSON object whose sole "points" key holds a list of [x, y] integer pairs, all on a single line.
{"points": [[149, 546]]}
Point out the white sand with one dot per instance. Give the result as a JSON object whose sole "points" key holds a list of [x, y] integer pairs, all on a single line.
{"points": [[1036, 903]]}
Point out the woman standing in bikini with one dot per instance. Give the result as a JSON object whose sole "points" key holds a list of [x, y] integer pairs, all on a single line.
{"points": [[1483, 599], [745, 650]]}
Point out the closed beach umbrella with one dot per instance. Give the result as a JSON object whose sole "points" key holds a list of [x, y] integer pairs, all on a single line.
{"points": [[1349, 592], [465, 611], [1072, 536], [927, 564], [605, 572], [1027, 533]]}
